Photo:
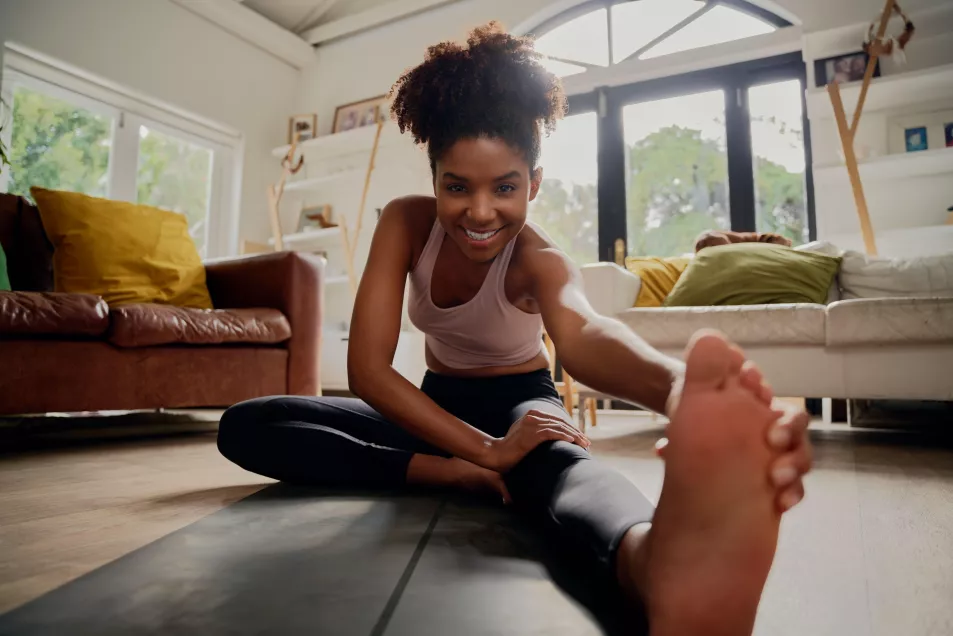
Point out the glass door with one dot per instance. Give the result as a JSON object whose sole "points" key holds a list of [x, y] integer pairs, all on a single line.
{"points": [[567, 206], [777, 148], [676, 172]]}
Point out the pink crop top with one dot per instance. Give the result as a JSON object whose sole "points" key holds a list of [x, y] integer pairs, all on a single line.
{"points": [[486, 331]]}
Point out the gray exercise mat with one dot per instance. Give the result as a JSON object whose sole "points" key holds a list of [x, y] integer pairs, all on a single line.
{"points": [[294, 561], [279, 562]]}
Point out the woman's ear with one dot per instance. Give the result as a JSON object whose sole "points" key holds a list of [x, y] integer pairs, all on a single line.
{"points": [[534, 180]]}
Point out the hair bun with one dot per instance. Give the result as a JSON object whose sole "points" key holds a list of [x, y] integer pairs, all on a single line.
{"points": [[493, 86]]}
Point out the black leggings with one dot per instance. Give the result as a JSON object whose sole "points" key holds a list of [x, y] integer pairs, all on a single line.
{"points": [[343, 442]]}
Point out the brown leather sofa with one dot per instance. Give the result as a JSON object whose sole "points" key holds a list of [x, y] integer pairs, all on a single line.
{"points": [[71, 352]]}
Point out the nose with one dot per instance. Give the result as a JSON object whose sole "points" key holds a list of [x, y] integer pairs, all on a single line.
{"points": [[481, 212]]}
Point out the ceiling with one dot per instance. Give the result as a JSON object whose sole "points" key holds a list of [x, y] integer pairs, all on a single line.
{"points": [[299, 16]]}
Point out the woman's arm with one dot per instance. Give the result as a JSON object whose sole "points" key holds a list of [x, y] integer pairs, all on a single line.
{"points": [[599, 352], [375, 327]]}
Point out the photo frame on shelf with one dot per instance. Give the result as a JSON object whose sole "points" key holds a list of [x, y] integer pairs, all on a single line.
{"points": [[359, 114], [935, 123], [315, 218], [306, 127], [849, 67], [916, 138]]}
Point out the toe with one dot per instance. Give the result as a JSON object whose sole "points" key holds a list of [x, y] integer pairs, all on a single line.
{"points": [[708, 361]]}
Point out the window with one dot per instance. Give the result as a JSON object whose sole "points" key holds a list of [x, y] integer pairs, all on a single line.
{"points": [[58, 145], [567, 205], [71, 133], [673, 156], [676, 173], [604, 33]]}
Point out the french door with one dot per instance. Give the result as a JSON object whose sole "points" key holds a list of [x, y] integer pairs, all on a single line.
{"points": [[721, 148]]}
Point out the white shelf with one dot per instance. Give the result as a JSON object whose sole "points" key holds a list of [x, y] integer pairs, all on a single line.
{"points": [[340, 144], [890, 167], [336, 280], [891, 91], [314, 239], [314, 183]]}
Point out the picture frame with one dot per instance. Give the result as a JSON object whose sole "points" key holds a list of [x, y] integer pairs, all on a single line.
{"points": [[916, 139], [948, 134], [366, 112], [317, 217], [305, 125], [849, 67]]}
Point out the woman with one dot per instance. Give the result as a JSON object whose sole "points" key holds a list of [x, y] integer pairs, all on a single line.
{"points": [[483, 283]]}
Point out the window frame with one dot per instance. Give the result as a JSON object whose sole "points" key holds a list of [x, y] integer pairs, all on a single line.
{"points": [[733, 79], [128, 111]]}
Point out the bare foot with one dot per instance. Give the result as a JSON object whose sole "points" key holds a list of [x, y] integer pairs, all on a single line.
{"points": [[704, 561], [481, 480], [453, 472]]}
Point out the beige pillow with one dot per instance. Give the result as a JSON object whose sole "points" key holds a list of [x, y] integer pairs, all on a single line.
{"points": [[863, 276]]}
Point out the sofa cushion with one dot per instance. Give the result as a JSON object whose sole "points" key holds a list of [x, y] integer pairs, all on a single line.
{"points": [[782, 324], [29, 252], [754, 274], [52, 314], [658, 275], [124, 252], [882, 321], [148, 325], [863, 276]]}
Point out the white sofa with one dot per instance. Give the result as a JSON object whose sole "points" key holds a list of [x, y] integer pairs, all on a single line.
{"points": [[874, 348]]}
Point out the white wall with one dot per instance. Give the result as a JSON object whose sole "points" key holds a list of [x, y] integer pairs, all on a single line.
{"points": [[165, 51]]}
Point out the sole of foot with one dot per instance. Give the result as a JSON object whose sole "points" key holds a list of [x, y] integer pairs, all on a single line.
{"points": [[714, 534]]}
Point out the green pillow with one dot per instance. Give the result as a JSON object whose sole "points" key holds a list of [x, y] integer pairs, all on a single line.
{"points": [[753, 274], [4, 278]]}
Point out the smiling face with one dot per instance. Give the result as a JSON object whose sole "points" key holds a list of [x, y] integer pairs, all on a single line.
{"points": [[483, 188]]}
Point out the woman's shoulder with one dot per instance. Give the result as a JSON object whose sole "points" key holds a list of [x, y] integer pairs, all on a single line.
{"points": [[413, 212], [411, 217]]}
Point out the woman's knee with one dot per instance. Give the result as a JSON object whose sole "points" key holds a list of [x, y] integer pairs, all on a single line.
{"points": [[238, 421]]}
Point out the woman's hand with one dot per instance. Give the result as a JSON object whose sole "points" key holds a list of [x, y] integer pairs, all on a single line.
{"points": [[527, 433]]}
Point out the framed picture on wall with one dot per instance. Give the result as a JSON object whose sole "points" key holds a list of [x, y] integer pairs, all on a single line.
{"points": [[305, 126], [359, 114], [842, 68]]}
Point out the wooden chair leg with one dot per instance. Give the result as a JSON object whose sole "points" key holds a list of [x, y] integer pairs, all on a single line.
{"points": [[591, 406], [570, 390]]}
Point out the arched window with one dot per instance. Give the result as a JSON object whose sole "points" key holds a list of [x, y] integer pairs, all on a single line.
{"points": [[643, 168], [604, 33]]}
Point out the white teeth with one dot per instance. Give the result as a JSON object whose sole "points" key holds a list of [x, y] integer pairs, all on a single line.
{"points": [[480, 236]]}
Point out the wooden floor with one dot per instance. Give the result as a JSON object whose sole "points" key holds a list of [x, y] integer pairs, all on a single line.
{"points": [[870, 551]]}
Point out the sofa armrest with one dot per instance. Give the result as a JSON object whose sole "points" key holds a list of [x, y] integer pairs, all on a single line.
{"points": [[291, 282], [610, 289]]}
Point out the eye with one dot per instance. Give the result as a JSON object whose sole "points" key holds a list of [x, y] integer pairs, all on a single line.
{"points": [[456, 187], [506, 188]]}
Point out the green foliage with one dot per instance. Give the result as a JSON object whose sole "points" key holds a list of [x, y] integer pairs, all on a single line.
{"points": [[4, 161], [175, 175], [57, 145], [570, 215], [780, 205], [677, 188]]}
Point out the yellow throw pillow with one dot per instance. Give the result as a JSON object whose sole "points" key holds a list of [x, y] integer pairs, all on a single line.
{"points": [[124, 252], [658, 275]]}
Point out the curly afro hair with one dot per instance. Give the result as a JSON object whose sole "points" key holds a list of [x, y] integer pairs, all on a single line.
{"points": [[493, 87]]}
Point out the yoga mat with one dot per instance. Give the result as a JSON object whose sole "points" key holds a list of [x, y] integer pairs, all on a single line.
{"points": [[283, 561], [297, 561]]}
